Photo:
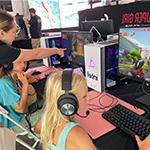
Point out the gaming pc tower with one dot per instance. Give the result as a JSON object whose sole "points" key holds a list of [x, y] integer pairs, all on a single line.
{"points": [[96, 65]]}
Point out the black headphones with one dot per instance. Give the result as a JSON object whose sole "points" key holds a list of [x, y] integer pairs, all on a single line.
{"points": [[67, 103]]}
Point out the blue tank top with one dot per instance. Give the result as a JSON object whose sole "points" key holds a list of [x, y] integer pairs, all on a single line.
{"points": [[9, 96], [61, 144]]}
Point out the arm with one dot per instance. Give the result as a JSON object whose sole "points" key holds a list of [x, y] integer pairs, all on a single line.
{"points": [[26, 21], [38, 53], [37, 127], [83, 142], [21, 106], [143, 145], [1, 124]]}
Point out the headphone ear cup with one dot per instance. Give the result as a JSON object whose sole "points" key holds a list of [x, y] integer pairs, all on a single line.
{"points": [[9, 67], [68, 104]]}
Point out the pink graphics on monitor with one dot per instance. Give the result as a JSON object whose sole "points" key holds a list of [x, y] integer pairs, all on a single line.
{"points": [[94, 123]]}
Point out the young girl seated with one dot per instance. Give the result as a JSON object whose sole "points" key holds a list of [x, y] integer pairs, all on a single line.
{"points": [[66, 93], [16, 94], [58, 130]]}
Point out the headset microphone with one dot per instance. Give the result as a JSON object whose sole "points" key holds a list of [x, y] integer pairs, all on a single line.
{"points": [[87, 113]]}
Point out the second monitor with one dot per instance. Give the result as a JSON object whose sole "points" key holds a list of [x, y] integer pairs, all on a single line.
{"points": [[73, 41], [99, 28]]}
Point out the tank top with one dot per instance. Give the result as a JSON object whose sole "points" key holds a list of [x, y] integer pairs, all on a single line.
{"points": [[61, 144]]}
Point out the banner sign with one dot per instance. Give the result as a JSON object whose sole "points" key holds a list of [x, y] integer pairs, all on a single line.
{"points": [[137, 13]]}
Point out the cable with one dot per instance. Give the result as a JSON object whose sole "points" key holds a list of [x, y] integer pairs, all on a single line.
{"points": [[85, 116], [95, 97], [29, 124], [101, 107], [113, 102]]}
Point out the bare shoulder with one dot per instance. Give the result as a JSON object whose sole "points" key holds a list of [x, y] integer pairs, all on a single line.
{"points": [[79, 139]]}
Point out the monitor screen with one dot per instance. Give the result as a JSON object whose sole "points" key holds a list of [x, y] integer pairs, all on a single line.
{"points": [[58, 42], [52, 43], [76, 41], [58, 13], [111, 59], [134, 52], [100, 28]]}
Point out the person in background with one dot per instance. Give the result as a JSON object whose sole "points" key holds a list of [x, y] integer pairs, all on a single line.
{"points": [[34, 25], [16, 93], [8, 32], [59, 131]]}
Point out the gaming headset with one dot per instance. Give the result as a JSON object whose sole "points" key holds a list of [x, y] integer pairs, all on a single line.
{"points": [[67, 103], [8, 67]]}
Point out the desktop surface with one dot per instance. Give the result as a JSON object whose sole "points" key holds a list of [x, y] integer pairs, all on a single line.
{"points": [[116, 139], [98, 103], [145, 99]]}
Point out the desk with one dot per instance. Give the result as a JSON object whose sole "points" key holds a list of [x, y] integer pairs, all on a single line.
{"points": [[97, 104], [116, 139]]}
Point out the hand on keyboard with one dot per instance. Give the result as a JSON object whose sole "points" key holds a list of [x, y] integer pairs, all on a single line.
{"points": [[143, 145], [127, 120]]}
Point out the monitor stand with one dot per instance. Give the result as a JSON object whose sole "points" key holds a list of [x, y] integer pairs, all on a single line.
{"points": [[145, 99]]}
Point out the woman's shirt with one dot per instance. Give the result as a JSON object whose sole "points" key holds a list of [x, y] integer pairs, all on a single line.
{"points": [[9, 96], [8, 54], [61, 144]]}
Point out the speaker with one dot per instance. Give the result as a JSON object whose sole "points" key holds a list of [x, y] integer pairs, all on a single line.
{"points": [[67, 103], [8, 67]]}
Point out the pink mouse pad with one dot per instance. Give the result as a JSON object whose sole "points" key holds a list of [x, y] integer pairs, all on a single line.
{"points": [[44, 71], [94, 124]]}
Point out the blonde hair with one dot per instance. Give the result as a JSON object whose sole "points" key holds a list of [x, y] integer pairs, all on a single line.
{"points": [[4, 71], [52, 116], [6, 21]]}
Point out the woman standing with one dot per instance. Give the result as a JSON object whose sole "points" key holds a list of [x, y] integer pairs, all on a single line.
{"points": [[8, 32]]}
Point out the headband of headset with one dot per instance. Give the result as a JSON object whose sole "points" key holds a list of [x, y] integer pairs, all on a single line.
{"points": [[67, 80], [67, 103]]}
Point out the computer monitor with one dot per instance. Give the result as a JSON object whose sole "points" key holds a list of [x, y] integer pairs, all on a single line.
{"points": [[134, 52], [54, 59], [100, 28], [134, 57], [52, 42], [76, 41]]}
